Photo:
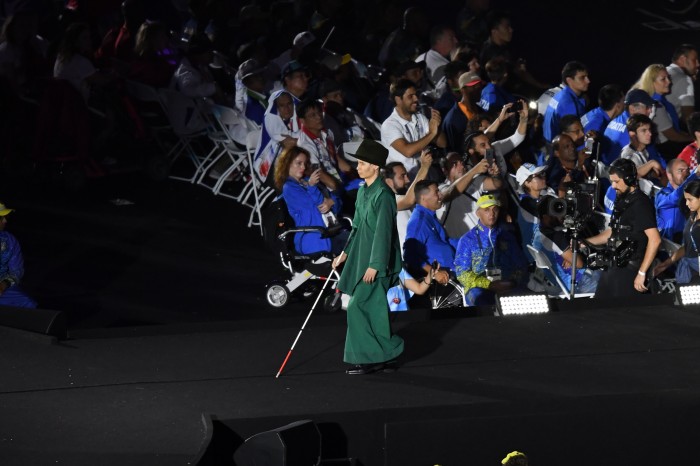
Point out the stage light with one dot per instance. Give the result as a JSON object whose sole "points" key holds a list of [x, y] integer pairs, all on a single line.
{"points": [[532, 105], [525, 304], [688, 295]]}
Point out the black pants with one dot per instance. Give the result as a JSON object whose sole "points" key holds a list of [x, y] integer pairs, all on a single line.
{"points": [[618, 282]]}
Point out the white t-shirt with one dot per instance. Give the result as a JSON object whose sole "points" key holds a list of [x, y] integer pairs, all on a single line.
{"points": [[402, 217], [663, 122], [682, 89], [395, 127], [75, 71], [434, 65], [461, 211]]}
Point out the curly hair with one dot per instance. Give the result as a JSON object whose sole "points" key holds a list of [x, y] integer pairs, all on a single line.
{"points": [[284, 161]]}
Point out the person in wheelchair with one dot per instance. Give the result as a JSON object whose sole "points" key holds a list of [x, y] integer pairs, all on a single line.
{"points": [[489, 259], [309, 203]]}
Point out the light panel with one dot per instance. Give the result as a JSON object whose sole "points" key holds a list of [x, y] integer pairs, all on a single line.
{"points": [[525, 304], [688, 295]]}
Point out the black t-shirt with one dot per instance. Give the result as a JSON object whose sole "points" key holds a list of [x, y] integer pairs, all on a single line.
{"points": [[636, 213], [691, 238]]}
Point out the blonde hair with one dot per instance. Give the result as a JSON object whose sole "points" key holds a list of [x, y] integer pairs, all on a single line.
{"points": [[145, 37], [646, 80], [284, 161]]}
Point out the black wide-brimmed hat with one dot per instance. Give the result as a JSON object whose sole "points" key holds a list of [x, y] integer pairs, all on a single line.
{"points": [[371, 151]]}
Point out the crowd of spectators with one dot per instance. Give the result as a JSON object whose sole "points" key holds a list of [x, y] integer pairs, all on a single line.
{"points": [[479, 147]]}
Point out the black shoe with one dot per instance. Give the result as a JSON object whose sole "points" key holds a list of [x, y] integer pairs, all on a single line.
{"points": [[390, 366], [362, 369]]}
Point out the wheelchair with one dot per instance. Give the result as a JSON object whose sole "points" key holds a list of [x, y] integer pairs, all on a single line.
{"points": [[308, 272]]}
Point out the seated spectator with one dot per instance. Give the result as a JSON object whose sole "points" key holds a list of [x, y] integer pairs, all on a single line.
{"points": [[442, 41], [399, 295], [295, 79], [119, 41], [22, 53], [426, 239], [489, 259], [690, 153], [655, 82], [404, 43], [669, 216], [407, 132], [557, 246], [309, 202], [150, 64], [280, 130], [565, 165], [568, 101], [460, 190], [447, 91], [494, 96], [616, 136], [531, 180], [254, 104], [300, 42], [336, 173], [11, 267], [336, 118], [640, 130], [686, 257], [193, 76], [610, 104], [73, 64], [467, 108]]}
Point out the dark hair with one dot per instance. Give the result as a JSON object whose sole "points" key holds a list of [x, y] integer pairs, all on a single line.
{"points": [[694, 123], [399, 88], [570, 70], [625, 169], [495, 17], [469, 140], [681, 50], [449, 161], [284, 161], [422, 187], [474, 124], [389, 169], [69, 44], [437, 32], [308, 104], [693, 188], [637, 120], [496, 68], [455, 68], [566, 121], [609, 95]]}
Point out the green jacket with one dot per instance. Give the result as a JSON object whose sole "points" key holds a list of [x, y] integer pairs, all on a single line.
{"points": [[374, 240]]}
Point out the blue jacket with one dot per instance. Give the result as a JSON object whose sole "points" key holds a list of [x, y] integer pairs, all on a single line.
{"points": [[615, 137], [482, 247], [493, 98], [302, 203], [426, 241], [564, 102], [596, 120], [669, 218]]}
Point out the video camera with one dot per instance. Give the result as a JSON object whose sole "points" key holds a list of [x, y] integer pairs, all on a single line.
{"points": [[575, 208]]}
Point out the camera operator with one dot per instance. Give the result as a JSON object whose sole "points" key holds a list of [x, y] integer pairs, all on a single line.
{"points": [[633, 228]]}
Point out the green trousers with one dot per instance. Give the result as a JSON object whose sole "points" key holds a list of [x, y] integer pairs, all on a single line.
{"points": [[369, 339]]}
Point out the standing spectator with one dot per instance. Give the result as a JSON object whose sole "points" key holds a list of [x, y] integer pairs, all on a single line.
{"points": [[450, 91], [407, 132], [404, 44], [568, 101], [374, 267], [193, 76], [683, 72], [11, 267]]}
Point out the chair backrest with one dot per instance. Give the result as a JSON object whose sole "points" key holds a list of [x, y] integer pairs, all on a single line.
{"points": [[251, 141], [543, 262], [669, 246], [182, 112], [141, 91]]}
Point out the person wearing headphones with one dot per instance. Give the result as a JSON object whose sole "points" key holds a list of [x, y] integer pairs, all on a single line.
{"points": [[632, 235]]}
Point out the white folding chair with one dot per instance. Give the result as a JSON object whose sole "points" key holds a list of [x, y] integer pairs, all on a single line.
{"points": [[188, 125], [153, 116], [543, 262], [255, 194]]}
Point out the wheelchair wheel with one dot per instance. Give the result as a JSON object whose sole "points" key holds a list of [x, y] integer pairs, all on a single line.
{"points": [[277, 295], [332, 303]]}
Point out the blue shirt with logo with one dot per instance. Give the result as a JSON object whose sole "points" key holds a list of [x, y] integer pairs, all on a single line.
{"points": [[564, 102]]}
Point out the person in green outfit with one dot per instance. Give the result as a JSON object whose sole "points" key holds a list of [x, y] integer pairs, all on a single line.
{"points": [[373, 266]]}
